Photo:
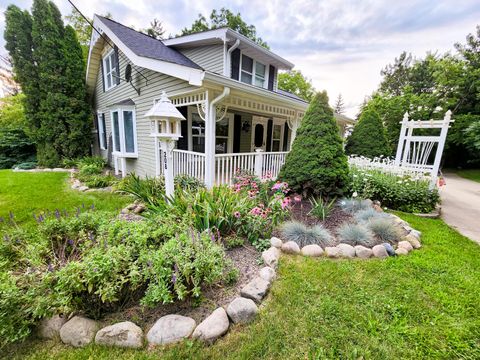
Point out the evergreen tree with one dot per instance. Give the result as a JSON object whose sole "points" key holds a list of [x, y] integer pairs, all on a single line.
{"points": [[368, 137], [339, 107], [316, 164]]}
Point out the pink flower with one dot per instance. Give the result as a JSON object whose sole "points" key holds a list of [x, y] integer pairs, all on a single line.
{"points": [[297, 198], [236, 214], [285, 203]]}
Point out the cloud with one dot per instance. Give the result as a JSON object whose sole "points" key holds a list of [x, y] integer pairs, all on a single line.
{"points": [[340, 44]]}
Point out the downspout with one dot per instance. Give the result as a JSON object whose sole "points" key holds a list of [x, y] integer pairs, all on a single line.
{"points": [[210, 138], [229, 58]]}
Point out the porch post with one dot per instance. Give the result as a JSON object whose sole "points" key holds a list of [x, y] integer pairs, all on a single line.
{"points": [[210, 114], [259, 163]]}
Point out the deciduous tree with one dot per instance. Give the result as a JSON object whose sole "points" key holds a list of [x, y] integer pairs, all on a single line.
{"points": [[294, 82]]}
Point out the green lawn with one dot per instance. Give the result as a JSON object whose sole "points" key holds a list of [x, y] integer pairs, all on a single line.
{"points": [[471, 174], [423, 306], [25, 193]]}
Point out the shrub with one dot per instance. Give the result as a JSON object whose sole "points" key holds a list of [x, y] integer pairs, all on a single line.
{"points": [[353, 205], [368, 137], [99, 181], [303, 235], [90, 169], [367, 214], [15, 147], [355, 234], [151, 191], [317, 164], [321, 208], [384, 229], [404, 193], [96, 161]]}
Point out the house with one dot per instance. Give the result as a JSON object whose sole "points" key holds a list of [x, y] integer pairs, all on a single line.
{"points": [[224, 84]]}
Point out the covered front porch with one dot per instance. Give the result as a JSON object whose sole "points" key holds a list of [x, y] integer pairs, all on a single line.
{"points": [[229, 131]]}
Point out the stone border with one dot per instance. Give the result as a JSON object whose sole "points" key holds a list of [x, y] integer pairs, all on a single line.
{"points": [[43, 170]]}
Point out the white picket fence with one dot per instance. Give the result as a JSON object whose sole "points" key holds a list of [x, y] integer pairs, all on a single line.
{"points": [[262, 164]]}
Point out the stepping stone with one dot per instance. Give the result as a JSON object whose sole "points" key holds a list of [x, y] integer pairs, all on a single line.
{"points": [[242, 310], [332, 252], [346, 250], [363, 252], [78, 331], [267, 274], [270, 257], [49, 328], [379, 251], [312, 250], [255, 289], [212, 327], [123, 334], [170, 329], [291, 247], [276, 242]]}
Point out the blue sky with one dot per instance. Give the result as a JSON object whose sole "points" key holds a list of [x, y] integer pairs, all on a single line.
{"points": [[340, 45]]}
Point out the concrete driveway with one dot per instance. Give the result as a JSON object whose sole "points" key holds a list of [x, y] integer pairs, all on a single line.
{"points": [[461, 205]]}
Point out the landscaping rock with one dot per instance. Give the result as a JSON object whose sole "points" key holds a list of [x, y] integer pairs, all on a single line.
{"points": [[267, 274], [130, 207], [130, 217], [49, 328], [83, 188], [212, 327], [332, 252], [276, 242], [346, 250], [312, 250], [255, 289], [124, 334], [363, 252], [413, 241], [78, 331], [291, 247], [170, 328], [377, 208], [405, 245], [139, 208], [389, 248], [379, 251], [401, 251], [270, 257], [242, 310], [416, 234]]}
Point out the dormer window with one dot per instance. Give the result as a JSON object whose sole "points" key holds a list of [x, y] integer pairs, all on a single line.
{"points": [[252, 72]]}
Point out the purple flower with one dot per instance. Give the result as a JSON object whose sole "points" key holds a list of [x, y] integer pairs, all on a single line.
{"points": [[57, 214], [70, 242], [11, 215], [50, 267], [92, 206]]}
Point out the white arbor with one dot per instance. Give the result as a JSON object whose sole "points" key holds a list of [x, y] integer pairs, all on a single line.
{"points": [[414, 151]]}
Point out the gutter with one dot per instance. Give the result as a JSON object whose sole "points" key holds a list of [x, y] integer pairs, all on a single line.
{"points": [[228, 58]]}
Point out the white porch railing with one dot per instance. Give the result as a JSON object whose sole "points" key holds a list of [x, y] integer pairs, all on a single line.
{"points": [[227, 164], [189, 163], [273, 162]]}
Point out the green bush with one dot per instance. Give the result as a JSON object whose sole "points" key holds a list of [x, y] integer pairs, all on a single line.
{"points": [[396, 192], [98, 181], [96, 161], [317, 164], [15, 147], [368, 137], [150, 191]]}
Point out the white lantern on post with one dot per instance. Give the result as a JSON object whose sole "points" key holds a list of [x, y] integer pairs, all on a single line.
{"points": [[166, 130]]}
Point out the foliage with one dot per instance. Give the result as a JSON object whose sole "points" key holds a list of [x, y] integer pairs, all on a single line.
{"points": [[296, 83], [356, 234], [384, 229], [189, 183], [404, 193], [368, 214], [368, 136], [354, 205], [225, 18], [461, 141], [303, 235], [15, 147], [47, 60], [26, 165], [12, 112], [151, 191], [321, 208], [339, 106], [155, 30], [317, 164]]}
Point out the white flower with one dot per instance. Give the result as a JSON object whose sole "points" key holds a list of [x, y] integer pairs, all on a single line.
{"points": [[355, 194]]}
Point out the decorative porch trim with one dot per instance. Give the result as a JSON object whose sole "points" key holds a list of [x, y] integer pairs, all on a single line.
{"points": [[262, 107]]}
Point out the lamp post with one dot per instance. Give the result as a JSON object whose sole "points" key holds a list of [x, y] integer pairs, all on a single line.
{"points": [[165, 129]]}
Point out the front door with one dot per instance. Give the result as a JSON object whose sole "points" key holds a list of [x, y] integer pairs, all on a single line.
{"points": [[259, 133]]}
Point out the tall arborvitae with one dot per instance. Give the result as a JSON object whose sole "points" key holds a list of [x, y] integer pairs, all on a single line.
{"points": [[368, 137], [317, 164], [60, 111]]}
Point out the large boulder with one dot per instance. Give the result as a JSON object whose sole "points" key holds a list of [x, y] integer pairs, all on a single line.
{"points": [[170, 329], [291, 247], [78, 331], [346, 250], [312, 250], [267, 273], [276, 242], [212, 327], [242, 310], [255, 289], [271, 256], [379, 251], [332, 252], [363, 252], [49, 328], [123, 334]]}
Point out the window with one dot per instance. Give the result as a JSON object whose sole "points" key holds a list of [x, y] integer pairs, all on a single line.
{"points": [[221, 133], [252, 72], [102, 132], [198, 133], [124, 132], [277, 137], [110, 70]]}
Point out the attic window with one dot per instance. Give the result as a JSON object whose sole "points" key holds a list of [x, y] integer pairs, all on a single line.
{"points": [[110, 70]]}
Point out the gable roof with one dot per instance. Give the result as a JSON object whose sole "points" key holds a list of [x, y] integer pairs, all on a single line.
{"points": [[147, 46]]}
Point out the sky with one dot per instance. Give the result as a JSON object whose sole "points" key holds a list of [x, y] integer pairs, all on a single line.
{"points": [[340, 45]]}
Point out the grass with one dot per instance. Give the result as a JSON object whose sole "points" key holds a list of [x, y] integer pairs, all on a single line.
{"points": [[471, 174], [25, 194], [421, 306]]}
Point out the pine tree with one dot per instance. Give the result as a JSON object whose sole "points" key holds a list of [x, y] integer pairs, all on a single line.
{"points": [[339, 105], [317, 164], [368, 137]]}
